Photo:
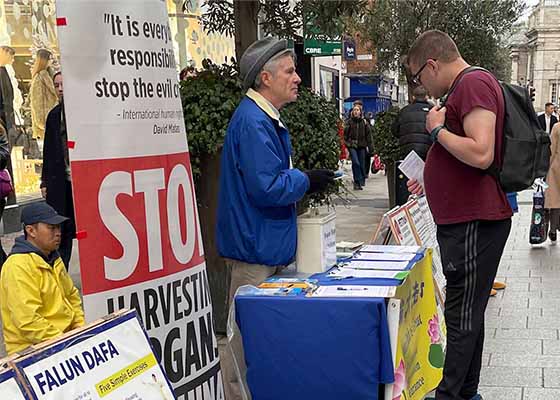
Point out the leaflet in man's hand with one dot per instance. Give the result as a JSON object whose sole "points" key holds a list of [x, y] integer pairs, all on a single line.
{"points": [[413, 167]]}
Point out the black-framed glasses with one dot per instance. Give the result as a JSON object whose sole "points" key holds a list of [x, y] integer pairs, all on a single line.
{"points": [[416, 78]]}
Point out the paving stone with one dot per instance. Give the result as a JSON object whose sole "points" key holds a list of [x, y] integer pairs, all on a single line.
{"points": [[515, 272], [525, 360], [552, 377], [512, 377], [536, 321], [545, 303], [497, 393], [544, 273], [509, 345], [551, 347], [507, 295], [549, 312], [515, 261], [517, 322], [551, 293], [512, 312], [510, 309], [485, 359], [517, 287], [505, 333], [511, 302], [541, 394], [493, 312], [518, 279]]}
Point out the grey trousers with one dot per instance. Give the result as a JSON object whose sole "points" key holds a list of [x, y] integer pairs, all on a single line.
{"points": [[241, 274]]}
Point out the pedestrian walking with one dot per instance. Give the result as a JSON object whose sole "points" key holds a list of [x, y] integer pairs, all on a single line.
{"points": [[42, 94], [552, 195], [358, 139], [469, 207], [7, 114], [56, 180]]}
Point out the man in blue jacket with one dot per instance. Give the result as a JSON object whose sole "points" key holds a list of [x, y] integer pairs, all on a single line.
{"points": [[259, 188]]}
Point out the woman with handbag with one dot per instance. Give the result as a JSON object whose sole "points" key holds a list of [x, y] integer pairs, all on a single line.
{"points": [[357, 137]]}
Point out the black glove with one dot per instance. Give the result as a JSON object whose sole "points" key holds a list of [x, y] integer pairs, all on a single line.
{"points": [[319, 179]]}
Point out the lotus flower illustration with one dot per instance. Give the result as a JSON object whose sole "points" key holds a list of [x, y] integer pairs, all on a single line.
{"points": [[400, 381], [435, 356]]}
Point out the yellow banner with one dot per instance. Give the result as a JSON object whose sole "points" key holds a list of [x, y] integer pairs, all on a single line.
{"points": [[125, 375], [421, 340]]}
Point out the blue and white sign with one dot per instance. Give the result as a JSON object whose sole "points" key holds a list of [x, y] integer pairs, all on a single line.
{"points": [[349, 50]]}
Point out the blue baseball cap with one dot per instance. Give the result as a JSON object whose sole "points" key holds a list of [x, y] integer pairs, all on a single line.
{"points": [[41, 212]]}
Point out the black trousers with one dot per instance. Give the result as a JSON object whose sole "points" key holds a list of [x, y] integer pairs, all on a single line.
{"points": [[65, 248], [68, 231], [470, 253]]}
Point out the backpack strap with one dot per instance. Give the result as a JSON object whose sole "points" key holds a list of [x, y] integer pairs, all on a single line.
{"points": [[458, 79], [493, 170]]}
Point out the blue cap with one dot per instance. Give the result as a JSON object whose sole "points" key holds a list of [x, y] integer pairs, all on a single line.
{"points": [[40, 212]]}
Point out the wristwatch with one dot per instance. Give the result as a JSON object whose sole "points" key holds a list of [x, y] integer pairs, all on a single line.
{"points": [[435, 132]]}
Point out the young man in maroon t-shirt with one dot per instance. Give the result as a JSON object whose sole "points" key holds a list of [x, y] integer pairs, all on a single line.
{"points": [[470, 209]]}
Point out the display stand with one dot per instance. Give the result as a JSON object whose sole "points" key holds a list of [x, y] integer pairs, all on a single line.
{"points": [[413, 224], [109, 359]]}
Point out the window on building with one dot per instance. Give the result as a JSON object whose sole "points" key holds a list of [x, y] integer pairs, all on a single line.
{"points": [[554, 93], [327, 83]]}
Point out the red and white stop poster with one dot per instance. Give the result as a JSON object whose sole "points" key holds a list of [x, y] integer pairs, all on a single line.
{"points": [[139, 235]]}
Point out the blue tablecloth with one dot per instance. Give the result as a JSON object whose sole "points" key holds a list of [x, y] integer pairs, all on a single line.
{"points": [[315, 348]]}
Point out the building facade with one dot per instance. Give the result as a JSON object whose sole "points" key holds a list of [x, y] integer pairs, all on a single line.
{"points": [[535, 53]]}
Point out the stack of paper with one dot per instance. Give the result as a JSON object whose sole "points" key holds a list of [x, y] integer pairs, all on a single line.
{"points": [[348, 246], [382, 265], [384, 256], [342, 273], [373, 248], [354, 291]]}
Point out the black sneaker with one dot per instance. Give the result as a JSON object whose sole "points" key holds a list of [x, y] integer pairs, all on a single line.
{"points": [[552, 236], [357, 186]]}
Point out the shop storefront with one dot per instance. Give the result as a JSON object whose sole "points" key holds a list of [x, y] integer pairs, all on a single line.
{"points": [[29, 26]]}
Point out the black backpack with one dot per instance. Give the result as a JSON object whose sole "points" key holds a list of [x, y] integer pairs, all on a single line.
{"points": [[525, 146]]}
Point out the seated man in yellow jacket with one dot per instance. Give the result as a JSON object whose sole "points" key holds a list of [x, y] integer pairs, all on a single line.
{"points": [[38, 300]]}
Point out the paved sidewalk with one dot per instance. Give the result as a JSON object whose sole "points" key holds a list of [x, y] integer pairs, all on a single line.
{"points": [[357, 220], [522, 350]]}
